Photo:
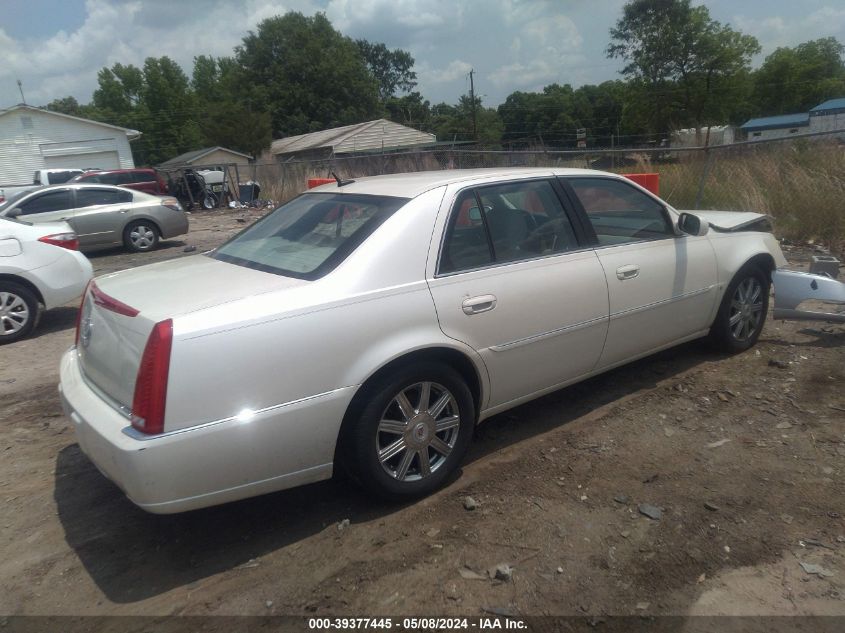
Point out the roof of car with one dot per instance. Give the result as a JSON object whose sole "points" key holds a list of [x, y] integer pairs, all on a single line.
{"points": [[413, 184], [88, 185]]}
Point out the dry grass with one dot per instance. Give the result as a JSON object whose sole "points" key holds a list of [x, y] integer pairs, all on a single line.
{"points": [[800, 184]]}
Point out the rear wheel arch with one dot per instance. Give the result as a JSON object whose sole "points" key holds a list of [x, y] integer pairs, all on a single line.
{"points": [[450, 357], [25, 283]]}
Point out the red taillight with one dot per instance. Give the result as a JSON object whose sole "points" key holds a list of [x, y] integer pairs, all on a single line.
{"points": [[65, 240], [151, 384], [171, 203], [79, 312], [110, 303]]}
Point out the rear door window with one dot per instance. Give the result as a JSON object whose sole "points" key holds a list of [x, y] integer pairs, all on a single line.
{"points": [[96, 197]]}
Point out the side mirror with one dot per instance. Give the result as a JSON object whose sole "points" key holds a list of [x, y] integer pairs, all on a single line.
{"points": [[692, 225], [12, 213]]}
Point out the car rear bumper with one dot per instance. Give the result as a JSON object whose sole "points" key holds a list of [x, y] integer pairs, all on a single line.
{"points": [[204, 465], [62, 280], [172, 223]]}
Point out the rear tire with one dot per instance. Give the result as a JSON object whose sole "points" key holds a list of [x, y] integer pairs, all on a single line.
{"points": [[412, 433], [19, 311], [743, 311], [140, 236]]}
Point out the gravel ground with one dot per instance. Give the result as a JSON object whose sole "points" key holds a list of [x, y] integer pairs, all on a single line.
{"points": [[686, 483]]}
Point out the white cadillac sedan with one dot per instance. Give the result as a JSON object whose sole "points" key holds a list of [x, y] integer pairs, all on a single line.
{"points": [[375, 322]]}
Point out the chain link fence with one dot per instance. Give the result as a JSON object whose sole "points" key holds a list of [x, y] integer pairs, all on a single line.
{"points": [[799, 181]]}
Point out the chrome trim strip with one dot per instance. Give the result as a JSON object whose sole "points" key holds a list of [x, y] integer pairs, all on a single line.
{"points": [[655, 304], [135, 434], [504, 347]]}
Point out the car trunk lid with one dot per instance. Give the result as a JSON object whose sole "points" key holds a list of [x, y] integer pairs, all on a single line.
{"points": [[120, 310]]}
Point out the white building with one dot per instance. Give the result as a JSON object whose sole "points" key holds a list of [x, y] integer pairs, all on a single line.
{"points": [[32, 139], [779, 126], [828, 116]]}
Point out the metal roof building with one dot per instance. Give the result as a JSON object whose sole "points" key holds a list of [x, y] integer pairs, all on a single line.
{"points": [[831, 106], [370, 136], [208, 156], [777, 122]]}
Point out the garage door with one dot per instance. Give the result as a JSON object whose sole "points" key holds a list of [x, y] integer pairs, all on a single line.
{"points": [[93, 160]]}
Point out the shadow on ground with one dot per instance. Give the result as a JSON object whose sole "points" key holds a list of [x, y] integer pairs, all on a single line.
{"points": [[132, 555]]}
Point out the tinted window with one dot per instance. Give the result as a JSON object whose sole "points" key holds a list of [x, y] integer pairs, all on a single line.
{"points": [[106, 179], [58, 177], [619, 212], [142, 176], [52, 201], [310, 235], [93, 197], [515, 221]]}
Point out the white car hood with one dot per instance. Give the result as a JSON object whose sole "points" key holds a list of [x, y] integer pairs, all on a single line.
{"points": [[181, 286], [728, 220]]}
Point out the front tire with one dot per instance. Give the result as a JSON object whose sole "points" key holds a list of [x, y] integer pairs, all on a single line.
{"points": [[140, 236], [742, 313], [18, 312], [412, 432]]}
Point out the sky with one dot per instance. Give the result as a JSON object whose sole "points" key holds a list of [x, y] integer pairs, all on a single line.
{"points": [[56, 47]]}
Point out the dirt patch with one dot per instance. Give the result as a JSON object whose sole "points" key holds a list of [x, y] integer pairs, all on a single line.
{"points": [[743, 459]]}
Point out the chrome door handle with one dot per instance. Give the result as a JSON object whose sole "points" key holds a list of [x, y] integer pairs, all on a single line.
{"points": [[123, 211], [627, 272], [475, 305]]}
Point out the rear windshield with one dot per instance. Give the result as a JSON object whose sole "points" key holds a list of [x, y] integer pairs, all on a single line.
{"points": [[310, 235]]}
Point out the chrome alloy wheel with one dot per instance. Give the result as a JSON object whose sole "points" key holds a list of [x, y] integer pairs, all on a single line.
{"points": [[417, 431], [14, 314], [142, 236], [746, 309]]}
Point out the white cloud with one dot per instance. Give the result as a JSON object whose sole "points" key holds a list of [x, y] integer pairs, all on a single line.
{"points": [[457, 69]]}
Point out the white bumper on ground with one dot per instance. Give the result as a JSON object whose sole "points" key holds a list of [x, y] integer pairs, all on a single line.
{"points": [[792, 288], [208, 464]]}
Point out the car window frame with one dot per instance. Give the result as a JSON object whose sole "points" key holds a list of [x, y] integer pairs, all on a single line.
{"points": [[40, 194], [575, 201], [581, 236], [101, 188]]}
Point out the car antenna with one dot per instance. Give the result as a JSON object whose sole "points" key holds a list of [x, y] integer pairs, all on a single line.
{"points": [[341, 182]]}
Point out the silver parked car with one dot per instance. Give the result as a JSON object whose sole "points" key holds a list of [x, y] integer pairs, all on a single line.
{"points": [[374, 323], [102, 215]]}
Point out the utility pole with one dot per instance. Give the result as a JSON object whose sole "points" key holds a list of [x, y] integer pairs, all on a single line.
{"points": [[20, 87], [472, 100]]}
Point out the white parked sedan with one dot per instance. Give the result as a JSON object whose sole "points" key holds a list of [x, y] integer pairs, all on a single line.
{"points": [[40, 268], [375, 322]]}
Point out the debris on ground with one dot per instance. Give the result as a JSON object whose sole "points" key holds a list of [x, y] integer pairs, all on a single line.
{"points": [[503, 572], [816, 570], [470, 503], [652, 512]]}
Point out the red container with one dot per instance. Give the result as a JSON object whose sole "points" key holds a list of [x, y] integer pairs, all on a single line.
{"points": [[647, 181], [316, 182]]}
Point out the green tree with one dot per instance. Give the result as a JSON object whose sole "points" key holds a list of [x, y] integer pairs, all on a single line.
{"points": [[306, 75], [796, 79], [455, 123], [168, 111], [411, 110], [227, 118], [685, 63], [66, 105], [391, 68]]}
